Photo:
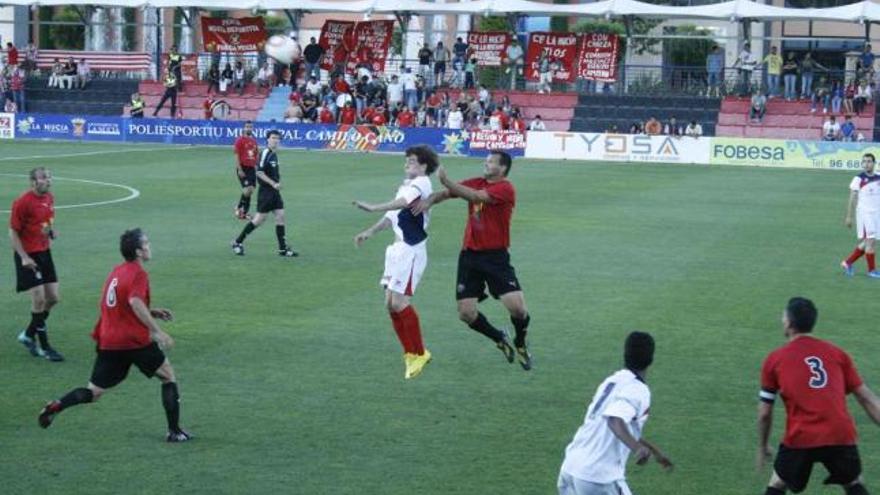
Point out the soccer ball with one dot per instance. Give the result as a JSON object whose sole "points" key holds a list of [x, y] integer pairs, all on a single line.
{"points": [[282, 49]]}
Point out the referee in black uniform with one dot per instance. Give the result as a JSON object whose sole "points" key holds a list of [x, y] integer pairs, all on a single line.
{"points": [[268, 198]]}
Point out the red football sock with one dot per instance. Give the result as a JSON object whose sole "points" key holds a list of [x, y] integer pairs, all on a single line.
{"points": [[856, 254], [413, 329], [400, 328], [870, 257]]}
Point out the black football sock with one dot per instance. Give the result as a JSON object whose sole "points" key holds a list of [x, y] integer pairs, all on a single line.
{"points": [[279, 233], [246, 203], [774, 491], [857, 489], [76, 396], [42, 335], [520, 325], [242, 202], [482, 325], [171, 403], [31, 330], [246, 231]]}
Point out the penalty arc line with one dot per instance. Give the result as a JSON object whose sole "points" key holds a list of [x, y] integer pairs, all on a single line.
{"points": [[132, 192]]}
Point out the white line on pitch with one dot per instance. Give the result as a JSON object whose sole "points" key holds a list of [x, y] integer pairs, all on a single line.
{"points": [[89, 153], [133, 193]]}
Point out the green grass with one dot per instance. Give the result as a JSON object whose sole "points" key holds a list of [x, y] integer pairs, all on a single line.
{"points": [[291, 376]]}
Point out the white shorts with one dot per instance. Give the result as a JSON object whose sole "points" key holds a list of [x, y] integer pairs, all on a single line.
{"points": [[569, 485], [867, 225], [404, 266]]}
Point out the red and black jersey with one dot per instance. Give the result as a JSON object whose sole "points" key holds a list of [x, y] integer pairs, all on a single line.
{"points": [[31, 218], [813, 377], [247, 150], [488, 225], [118, 328]]}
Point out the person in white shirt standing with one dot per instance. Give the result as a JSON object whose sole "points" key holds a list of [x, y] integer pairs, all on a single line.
{"points": [[455, 119], [595, 460], [864, 198], [394, 92]]}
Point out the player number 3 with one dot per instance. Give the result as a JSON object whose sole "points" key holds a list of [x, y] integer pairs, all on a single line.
{"points": [[111, 293], [818, 375]]}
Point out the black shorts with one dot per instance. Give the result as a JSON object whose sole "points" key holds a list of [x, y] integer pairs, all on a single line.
{"points": [[795, 465], [269, 199], [477, 269], [26, 279], [250, 177], [111, 367], [439, 67]]}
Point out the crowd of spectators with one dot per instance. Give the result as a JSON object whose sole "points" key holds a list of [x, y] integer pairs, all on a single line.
{"points": [[653, 127], [13, 73]]}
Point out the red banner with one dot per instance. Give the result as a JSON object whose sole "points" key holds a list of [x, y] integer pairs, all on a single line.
{"points": [[562, 50], [337, 39], [189, 68], [598, 57], [489, 48], [247, 34], [371, 39]]}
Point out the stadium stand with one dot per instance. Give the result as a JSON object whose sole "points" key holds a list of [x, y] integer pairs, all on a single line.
{"points": [[555, 109], [131, 64], [784, 120], [101, 97], [597, 113], [190, 102]]}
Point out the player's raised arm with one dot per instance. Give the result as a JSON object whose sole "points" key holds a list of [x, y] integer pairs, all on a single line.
{"points": [[464, 192], [387, 206], [426, 204]]}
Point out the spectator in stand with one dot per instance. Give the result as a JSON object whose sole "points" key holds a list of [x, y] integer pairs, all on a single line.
{"points": [[495, 120], [432, 103], [808, 67], [789, 76], [136, 111], [422, 116], [394, 92], [405, 117], [83, 73], [348, 114], [653, 127], [715, 71], [11, 54], [239, 78], [537, 124], [56, 74], [343, 100], [635, 128], [672, 128], [30, 59], [458, 66], [831, 129], [455, 120], [410, 90], [757, 107], [425, 56], [837, 92], [380, 115], [694, 129], [339, 85], [848, 129], [325, 115], [849, 94], [863, 96], [545, 72], [328, 99], [865, 63], [460, 50], [441, 57], [214, 78], [443, 110], [516, 121], [470, 69], [264, 77], [360, 94], [746, 63], [294, 112], [208, 107], [16, 84], [822, 94], [69, 74], [515, 61], [310, 107], [475, 109], [313, 86], [226, 77], [175, 65], [773, 63], [484, 96], [170, 83], [312, 56]]}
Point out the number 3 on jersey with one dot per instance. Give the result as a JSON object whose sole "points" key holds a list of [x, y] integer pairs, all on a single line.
{"points": [[110, 299], [818, 375]]}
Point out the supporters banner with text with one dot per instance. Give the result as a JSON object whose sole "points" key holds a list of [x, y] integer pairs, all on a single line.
{"points": [[371, 40], [482, 142], [489, 48], [337, 39], [247, 34], [597, 60], [561, 48], [7, 126]]}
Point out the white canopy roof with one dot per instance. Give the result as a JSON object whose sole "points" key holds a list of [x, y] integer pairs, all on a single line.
{"points": [[730, 10]]}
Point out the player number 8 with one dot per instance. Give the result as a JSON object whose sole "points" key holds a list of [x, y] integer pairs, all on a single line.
{"points": [[818, 377]]}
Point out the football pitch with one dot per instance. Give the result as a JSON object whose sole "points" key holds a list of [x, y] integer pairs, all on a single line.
{"points": [[291, 377]]}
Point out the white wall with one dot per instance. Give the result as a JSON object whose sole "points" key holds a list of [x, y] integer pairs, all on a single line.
{"points": [[6, 27]]}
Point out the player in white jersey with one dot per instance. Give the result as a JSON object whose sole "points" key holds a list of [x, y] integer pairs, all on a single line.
{"points": [[864, 198], [407, 257], [595, 460]]}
